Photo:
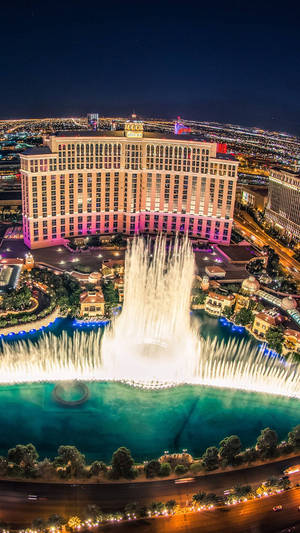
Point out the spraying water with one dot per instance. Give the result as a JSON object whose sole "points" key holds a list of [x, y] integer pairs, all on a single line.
{"points": [[151, 343]]}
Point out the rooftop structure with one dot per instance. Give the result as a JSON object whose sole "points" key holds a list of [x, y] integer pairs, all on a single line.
{"points": [[288, 303], [131, 181], [239, 253], [266, 320], [92, 303], [250, 285], [215, 303], [215, 271]]}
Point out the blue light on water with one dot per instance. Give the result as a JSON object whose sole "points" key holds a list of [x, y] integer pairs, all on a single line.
{"points": [[82, 323]]}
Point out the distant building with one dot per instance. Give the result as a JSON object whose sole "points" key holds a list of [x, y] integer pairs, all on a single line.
{"points": [[215, 303], [266, 320], [112, 267], [291, 341], [250, 285], [93, 120], [252, 196], [92, 304], [133, 181], [241, 302], [180, 128], [215, 272], [283, 208]]}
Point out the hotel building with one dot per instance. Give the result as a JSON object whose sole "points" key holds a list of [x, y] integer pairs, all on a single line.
{"points": [[283, 206], [131, 181]]}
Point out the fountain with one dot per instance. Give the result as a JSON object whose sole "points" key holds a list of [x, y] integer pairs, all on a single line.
{"points": [[151, 344]]}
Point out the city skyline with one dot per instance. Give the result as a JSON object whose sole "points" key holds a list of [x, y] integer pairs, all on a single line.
{"points": [[221, 63]]}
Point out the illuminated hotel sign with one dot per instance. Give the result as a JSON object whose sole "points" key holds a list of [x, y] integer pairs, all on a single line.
{"points": [[134, 129]]}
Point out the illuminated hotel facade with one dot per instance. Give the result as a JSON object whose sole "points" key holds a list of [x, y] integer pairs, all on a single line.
{"points": [[283, 206], [82, 183]]}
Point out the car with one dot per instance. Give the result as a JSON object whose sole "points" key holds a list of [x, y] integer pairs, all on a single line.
{"points": [[184, 480], [277, 508], [228, 491]]}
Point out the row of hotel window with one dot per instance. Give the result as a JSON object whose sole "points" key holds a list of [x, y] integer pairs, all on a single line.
{"points": [[187, 184], [164, 224], [159, 157]]}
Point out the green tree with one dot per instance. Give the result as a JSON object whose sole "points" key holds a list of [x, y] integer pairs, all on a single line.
{"points": [[255, 266], [210, 458], [275, 338], [230, 447], [250, 455], [267, 442], [94, 512], [39, 523], [228, 311], [294, 355], [119, 240], [294, 437], [244, 317], [170, 505], [55, 520], [18, 299], [199, 296], [122, 463], [97, 468], [165, 469], [288, 285], [71, 459], [157, 507], [152, 468], [45, 468], [273, 261], [201, 498], [110, 294], [23, 455]]}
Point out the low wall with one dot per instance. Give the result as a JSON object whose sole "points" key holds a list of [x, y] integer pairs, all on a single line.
{"points": [[31, 325]]}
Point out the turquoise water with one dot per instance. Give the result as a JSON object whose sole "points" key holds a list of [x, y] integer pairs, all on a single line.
{"points": [[148, 422]]}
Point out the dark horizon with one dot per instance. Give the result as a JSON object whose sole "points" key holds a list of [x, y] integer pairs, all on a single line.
{"points": [[230, 63]]}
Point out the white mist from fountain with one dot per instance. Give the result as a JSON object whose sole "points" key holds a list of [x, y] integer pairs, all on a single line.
{"points": [[151, 343], [152, 340]]}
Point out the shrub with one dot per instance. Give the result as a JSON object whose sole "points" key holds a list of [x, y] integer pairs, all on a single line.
{"points": [[180, 469], [165, 469]]}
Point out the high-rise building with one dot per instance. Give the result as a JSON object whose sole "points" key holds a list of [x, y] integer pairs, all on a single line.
{"points": [[131, 181], [93, 119], [283, 207]]}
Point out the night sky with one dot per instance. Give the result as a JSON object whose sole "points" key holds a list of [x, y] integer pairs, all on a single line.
{"points": [[224, 61]]}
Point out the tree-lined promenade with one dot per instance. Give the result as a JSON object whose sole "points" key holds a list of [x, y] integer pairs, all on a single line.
{"points": [[22, 461]]}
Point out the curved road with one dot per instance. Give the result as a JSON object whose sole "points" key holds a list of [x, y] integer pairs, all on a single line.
{"points": [[250, 229], [66, 499]]}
